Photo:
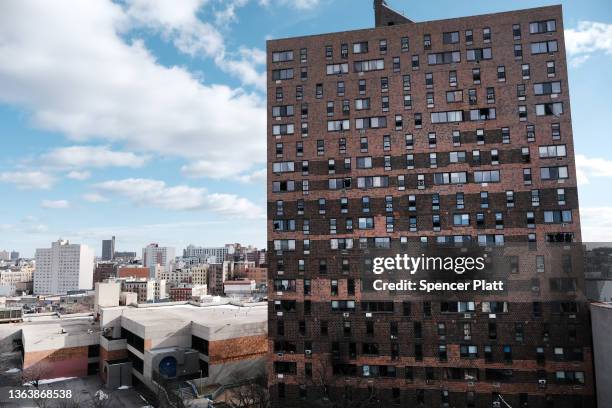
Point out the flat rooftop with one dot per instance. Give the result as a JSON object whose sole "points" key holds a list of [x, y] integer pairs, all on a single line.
{"points": [[210, 315], [69, 332]]}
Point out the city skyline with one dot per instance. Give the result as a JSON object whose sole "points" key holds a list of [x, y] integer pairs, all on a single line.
{"points": [[72, 173]]}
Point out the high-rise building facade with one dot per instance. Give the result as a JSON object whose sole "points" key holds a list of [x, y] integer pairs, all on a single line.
{"points": [[153, 255], [438, 132], [108, 249], [63, 267]]}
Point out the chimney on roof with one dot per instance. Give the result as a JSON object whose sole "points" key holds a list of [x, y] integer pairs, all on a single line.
{"points": [[385, 16]]}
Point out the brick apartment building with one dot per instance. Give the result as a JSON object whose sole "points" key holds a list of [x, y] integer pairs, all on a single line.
{"points": [[440, 132]]}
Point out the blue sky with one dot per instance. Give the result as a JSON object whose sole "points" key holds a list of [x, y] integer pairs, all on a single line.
{"points": [[145, 119]]}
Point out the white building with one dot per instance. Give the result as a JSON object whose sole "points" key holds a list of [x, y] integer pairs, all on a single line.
{"points": [[218, 253], [154, 254], [63, 267]]}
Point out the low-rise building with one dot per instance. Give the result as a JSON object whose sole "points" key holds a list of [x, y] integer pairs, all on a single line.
{"points": [[133, 271], [207, 343], [187, 291], [148, 290], [601, 323], [242, 289]]}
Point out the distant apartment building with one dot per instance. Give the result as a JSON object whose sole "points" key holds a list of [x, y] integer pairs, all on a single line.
{"points": [[5, 256], [104, 270], [187, 291], [423, 134], [124, 256], [15, 279], [199, 274], [63, 267], [148, 290], [204, 253], [14, 256], [153, 254], [108, 249]]}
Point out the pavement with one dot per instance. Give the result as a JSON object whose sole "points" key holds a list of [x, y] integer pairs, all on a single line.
{"points": [[83, 389]]}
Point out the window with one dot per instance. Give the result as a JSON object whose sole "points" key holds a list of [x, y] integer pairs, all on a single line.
{"points": [[364, 162], [547, 88], [385, 104], [406, 82], [382, 46], [544, 47], [429, 80], [546, 26], [482, 114], [501, 73], [546, 109], [445, 117], [344, 50], [456, 136], [522, 113], [555, 131], [384, 84], [557, 216], [280, 74], [360, 47], [336, 69], [550, 68], [447, 57], [282, 56], [476, 76], [450, 37], [303, 55], [554, 173], [457, 157], [486, 34], [338, 125], [518, 51], [452, 78], [405, 44], [484, 199], [396, 64], [469, 36], [525, 71], [364, 103], [478, 54], [490, 95], [409, 142], [450, 178], [415, 62], [488, 176], [454, 96], [369, 65], [516, 31], [371, 122], [407, 101], [427, 41], [461, 219], [552, 151]]}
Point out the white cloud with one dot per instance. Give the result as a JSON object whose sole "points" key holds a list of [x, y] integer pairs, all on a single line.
{"points": [[298, 4], [587, 168], [596, 224], [178, 22], [91, 156], [94, 198], [156, 193], [588, 38], [257, 176], [55, 204], [28, 179], [78, 175], [76, 74]]}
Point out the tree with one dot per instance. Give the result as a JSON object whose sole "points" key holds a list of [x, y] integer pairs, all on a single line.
{"points": [[248, 392]]}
